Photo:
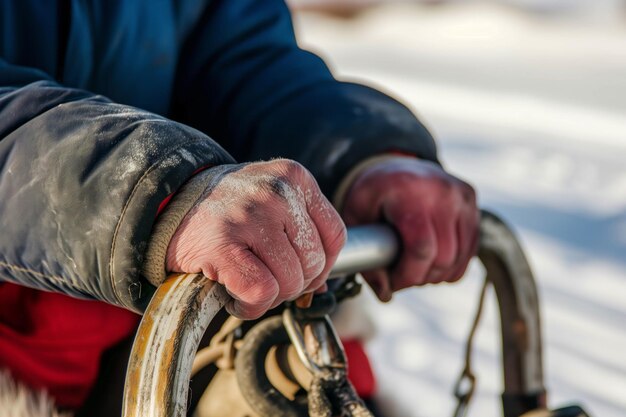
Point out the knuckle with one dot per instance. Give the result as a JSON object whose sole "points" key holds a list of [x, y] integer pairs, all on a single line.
{"points": [[457, 195], [445, 260], [279, 185], [206, 267], [230, 253], [280, 177], [416, 280], [406, 279], [289, 168], [338, 237], [314, 262], [469, 193], [316, 283], [421, 249], [290, 288], [262, 290], [249, 311], [267, 286], [251, 206], [444, 183]]}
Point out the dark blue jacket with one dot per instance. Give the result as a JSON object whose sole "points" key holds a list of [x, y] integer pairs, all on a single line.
{"points": [[108, 106]]}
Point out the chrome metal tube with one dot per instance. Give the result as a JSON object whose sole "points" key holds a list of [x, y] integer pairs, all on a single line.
{"points": [[367, 247], [518, 300]]}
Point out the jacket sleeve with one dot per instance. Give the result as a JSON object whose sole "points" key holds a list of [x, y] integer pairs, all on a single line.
{"points": [[243, 79], [81, 179]]}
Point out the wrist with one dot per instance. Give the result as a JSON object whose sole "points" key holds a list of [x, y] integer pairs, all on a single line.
{"points": [[364, 166], [170, 218]]}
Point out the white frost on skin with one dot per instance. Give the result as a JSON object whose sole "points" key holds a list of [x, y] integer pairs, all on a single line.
{"points": [[231, 188], [305, 233], [324, 210]]}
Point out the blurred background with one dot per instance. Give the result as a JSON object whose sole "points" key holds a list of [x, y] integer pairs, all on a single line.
{"points": [[527, 99]]}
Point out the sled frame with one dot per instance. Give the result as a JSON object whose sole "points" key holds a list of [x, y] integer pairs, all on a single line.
{"points": [[157, 378]]}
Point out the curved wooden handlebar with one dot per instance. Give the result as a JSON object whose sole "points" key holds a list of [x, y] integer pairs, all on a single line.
{"points": [[157, 379]]}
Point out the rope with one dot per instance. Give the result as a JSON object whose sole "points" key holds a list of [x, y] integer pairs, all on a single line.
{"points": [[462, 393]]}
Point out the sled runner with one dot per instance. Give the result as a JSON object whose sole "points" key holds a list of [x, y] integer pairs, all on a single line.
{"points": [[292, 363]]}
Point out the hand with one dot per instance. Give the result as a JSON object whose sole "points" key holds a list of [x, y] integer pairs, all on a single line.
{"points": [[434, 213], [265, 232]]}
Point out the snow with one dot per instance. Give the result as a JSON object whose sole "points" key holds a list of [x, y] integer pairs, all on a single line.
{"points": [[532, 111]]}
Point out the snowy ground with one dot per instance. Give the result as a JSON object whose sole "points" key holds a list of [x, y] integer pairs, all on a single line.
{"points": [[533, 112]]}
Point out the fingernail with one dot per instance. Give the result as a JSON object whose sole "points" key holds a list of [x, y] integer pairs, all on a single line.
{"points": [[385, 296], [381, 287], [305, 300]]}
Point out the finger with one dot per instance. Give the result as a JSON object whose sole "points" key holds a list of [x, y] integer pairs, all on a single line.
{"points": [[331, 229], [419, 245], [304, 238], [468, 232], [275, 250], [317, 283], [249, 282], [445, 224], [378, 280], [294, 185]]}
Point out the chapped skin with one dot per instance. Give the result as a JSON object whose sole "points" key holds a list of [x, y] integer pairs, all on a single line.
{"points": [[265, 231], [435, 214]]}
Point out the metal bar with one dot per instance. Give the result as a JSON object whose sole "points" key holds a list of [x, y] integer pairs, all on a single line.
{"points": [[377, 246], [367, 247], [518, 300], [157, 378]]}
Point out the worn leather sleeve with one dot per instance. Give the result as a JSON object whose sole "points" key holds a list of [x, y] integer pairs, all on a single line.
{"points": [[243, 79], [81, 179], [333, 128]]}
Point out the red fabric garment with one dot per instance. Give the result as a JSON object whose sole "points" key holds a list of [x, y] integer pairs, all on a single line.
{"points": [[54, 342], [359, 369]]}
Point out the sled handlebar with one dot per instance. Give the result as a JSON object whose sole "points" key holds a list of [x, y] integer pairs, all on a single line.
{"points": [[157, 379], [367, 247]]}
